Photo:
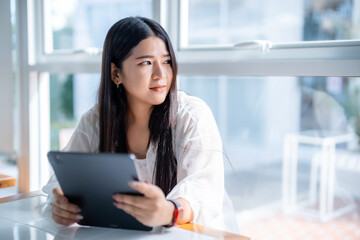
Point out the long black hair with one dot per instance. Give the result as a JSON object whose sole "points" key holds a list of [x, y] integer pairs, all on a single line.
{"points": [[121, 38]]}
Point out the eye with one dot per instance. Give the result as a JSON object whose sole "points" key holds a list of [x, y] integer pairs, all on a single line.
{"points": [[145, 63], [168, 61]]}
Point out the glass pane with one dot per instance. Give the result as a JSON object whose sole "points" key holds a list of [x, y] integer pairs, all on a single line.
{"points": [[81, 24], [234, 21], [269, 123], [70, 97]]}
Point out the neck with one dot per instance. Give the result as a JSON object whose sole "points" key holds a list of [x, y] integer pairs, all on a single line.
{"points": [[139, 114]]}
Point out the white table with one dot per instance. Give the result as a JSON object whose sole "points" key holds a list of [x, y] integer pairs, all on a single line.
{"points": [[23, 219], [325, 160]]}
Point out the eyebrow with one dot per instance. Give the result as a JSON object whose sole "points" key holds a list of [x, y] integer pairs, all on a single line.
{"points": [[151, 56]]}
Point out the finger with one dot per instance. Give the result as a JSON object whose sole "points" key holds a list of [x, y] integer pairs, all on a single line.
{"points": [[134, 211], [61, 220], [59, 195], [137, 201], [71, 208], [61, 214], [63, 203], [149, 190]]}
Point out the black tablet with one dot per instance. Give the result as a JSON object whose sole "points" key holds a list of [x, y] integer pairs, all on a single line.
{"points": [[90, 179]]}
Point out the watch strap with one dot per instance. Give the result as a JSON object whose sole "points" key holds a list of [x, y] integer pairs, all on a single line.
{"points": [[177, 210]]}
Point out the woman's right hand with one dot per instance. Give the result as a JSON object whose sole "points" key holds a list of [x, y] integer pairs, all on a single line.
{"points": [[63, 212]]}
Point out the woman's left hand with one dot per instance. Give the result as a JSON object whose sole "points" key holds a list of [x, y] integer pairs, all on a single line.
{"points": [[152, 209]]}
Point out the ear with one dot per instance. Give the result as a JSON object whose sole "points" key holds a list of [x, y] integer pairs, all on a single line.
{"points": [[115, 74]]}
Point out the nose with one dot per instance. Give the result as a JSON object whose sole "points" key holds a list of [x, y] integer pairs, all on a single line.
{"points": [[158, 71]]}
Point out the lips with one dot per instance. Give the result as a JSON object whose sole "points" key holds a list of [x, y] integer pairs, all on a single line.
{"points": [[158, 88]]}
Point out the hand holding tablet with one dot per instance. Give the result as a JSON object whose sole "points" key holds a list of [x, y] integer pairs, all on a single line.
{"points": [[89, 180]]}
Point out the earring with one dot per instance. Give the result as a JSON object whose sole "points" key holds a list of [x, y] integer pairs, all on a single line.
{"points": [[117, 85]]}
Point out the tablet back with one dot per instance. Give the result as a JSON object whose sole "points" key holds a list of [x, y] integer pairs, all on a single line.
{"points": [[90, 179]]}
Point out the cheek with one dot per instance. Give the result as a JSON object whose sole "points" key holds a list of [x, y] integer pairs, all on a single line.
{"points": [[135, 78], [169, 74]]}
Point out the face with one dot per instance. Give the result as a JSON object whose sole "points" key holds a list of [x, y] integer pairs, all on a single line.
{"points": [[146, 74]]}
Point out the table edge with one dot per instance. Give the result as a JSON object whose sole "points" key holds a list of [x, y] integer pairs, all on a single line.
{"points": [[219, 234], [21, 196]]}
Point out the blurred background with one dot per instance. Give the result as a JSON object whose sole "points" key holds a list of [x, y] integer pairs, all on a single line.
{"points": [[281, 77]]}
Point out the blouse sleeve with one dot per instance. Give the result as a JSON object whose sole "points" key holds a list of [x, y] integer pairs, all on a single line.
{"points": [[85, 135], [200, 164]]}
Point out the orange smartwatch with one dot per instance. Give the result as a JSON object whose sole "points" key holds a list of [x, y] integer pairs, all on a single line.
{"points": [[176, 214]]}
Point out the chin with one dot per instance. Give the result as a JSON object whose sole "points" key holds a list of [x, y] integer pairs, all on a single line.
{"points": [[158, 101]]}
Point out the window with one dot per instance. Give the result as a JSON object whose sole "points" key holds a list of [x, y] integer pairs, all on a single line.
{"points": [[8, 146], [268, 69], [255, 116], [77, 25], [71, 95], [222, 46], [224, 22]]}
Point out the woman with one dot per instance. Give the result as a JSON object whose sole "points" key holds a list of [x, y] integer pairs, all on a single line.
{"points": [[173, 136]]}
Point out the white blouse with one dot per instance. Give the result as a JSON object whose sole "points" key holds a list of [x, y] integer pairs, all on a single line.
{"points": [[198, 150]]}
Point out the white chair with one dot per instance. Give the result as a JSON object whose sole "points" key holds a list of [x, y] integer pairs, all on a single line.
{"points": [[331, 128], [345, 161]]}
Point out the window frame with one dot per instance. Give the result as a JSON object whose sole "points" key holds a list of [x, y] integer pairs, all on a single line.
{"points": [[312, 58]]}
